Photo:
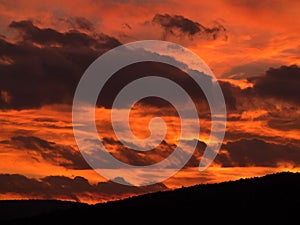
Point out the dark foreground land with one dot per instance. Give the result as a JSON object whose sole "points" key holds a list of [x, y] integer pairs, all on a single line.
{"points": [[272, 199]]}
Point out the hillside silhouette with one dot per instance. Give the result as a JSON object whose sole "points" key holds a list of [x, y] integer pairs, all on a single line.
{"points": [[271, 199]]}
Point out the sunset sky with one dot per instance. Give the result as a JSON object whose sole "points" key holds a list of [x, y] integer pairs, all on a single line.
{"points": [[252, 47]]}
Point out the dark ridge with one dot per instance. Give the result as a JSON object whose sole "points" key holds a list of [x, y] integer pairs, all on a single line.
{"points": [[20, 209], [271, 199]]}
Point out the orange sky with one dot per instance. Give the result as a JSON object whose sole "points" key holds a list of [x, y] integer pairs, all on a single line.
{"points": [[245, 40]]}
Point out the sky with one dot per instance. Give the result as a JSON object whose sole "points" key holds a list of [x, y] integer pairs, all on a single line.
{"points": [[252, 47]]}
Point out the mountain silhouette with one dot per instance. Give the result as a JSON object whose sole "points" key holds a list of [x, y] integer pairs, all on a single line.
{"points": [[271, 199]]}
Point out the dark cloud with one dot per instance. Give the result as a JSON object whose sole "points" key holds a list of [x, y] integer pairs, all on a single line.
{"points": [[52, 152], [285, 118], [138, 158], [48, 120], [53, 187], [162, 151], [183, 24], [138, 70], [197, 155], [231, 94], [18, 184], [176, 24], [46, 65], [235, 135], [52, 123], [72, 38], [281, 83], [238, 100], [256, 152], [71, 158], [285, 124]]}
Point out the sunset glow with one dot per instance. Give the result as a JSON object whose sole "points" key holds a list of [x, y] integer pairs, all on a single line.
{"points": [[252, 48]]}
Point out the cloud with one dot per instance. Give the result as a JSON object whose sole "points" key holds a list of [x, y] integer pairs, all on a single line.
{"points": [[46, 65], [285, 124], [231, 94], [256, 96], [162, 151], [18, 183], [48, 36], [196, 157], [138, 158], [179, 25], [281, 83], [256, 152], [62, 187], [70, 158], [52, 152], [138, 70]]}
